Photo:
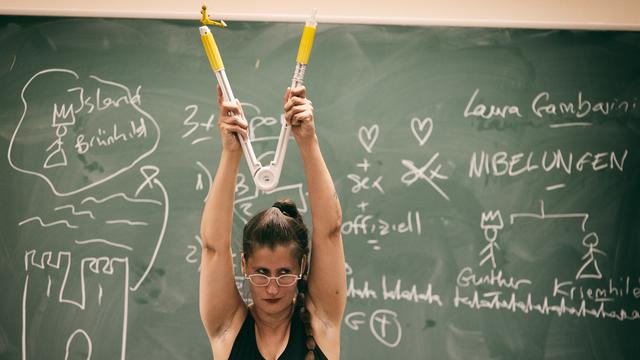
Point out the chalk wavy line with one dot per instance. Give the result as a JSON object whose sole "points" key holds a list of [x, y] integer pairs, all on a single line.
{"points": [[103, 241], [74, 212], [100, 201], [128, 222], [43, 224]]}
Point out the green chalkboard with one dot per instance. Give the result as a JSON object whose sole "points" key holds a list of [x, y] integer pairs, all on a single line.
{"points": [[488, 179]]}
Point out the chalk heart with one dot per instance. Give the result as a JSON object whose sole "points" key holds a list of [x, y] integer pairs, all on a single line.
{"points": [[422, 129], [368, 136]]}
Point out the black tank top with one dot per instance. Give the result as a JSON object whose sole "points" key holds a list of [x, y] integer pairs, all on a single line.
{"points": [[245, 346]]}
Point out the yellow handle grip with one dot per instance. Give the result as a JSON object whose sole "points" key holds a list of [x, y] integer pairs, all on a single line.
{"points": [[306, 43], [212, 51]]}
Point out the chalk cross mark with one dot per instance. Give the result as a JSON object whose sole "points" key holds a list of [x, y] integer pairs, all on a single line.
{"points": [[415, 173]]}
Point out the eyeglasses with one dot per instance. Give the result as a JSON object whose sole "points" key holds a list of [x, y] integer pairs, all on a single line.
{"points": [[264, 280]]}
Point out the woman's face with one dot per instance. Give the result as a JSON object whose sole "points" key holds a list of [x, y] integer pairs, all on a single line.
{"points": [[273, 262]]}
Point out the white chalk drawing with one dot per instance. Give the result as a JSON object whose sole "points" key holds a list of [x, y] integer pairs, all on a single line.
{"points": [[555, 187], [365, 183], [127, 222], [414, 174], [490, 222], [103, 115], [484, 286], [384, 325], [257, 121], [193, 257], [62, 260], [503, 163], [572, 112], [151, 181], [578, 108], [207, 125], [544, 216], [241, 185], [590, 269], [367, 224], [489, 111], [243, 205], [74, 212], [103, 241], [374, 243], [199, 184], [122, 196], [130, 127], [355, 319], [85, 337], [467, 278], [363, 206], [348, 268], [44, 224], [421, 129], [368, 136], [364, 165]]}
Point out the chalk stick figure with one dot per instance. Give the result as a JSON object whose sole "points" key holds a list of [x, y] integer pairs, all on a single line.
{"points": [[590, 269]]}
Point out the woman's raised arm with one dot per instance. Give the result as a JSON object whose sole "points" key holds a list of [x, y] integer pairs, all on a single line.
{"points": [[220, 301], [327, 278]]}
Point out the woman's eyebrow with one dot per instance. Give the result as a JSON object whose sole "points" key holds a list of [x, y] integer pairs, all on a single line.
{"points": [[264, 269]]}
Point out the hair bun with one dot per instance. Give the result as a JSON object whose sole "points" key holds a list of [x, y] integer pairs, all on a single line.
{"points": [[287, 207]]}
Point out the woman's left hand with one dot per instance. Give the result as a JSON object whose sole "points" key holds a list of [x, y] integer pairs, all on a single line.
{"points": [[298, 112]]}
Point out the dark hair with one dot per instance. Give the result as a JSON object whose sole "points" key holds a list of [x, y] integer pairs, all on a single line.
{"points": [[282, 224]]}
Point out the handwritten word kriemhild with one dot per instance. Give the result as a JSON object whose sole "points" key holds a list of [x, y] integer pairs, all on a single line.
{"points": [[612, 290], [543, 105]]}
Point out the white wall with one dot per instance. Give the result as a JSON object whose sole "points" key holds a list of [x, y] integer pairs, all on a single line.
{"points": [[577, 14]]}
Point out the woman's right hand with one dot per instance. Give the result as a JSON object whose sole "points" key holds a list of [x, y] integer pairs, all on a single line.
{"points": [[231, 122]]}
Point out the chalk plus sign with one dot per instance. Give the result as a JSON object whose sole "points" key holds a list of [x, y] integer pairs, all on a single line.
{"points": [[364, 165]]}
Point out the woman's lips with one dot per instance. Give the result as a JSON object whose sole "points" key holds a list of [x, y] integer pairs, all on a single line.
{"points": [[272, 301]]}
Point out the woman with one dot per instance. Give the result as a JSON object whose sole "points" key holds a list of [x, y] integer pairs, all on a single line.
{"points": [[275, 256]]}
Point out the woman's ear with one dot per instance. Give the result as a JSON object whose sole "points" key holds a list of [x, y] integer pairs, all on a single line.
{"points": [[243, 264]]}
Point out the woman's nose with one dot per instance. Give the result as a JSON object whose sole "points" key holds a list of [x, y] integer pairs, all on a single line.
{"points": [[272, 287]]}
